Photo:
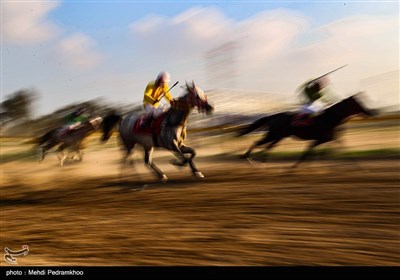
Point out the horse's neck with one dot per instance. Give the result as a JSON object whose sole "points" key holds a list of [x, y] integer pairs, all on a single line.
{"points": [[337, 113], [177, 117]]}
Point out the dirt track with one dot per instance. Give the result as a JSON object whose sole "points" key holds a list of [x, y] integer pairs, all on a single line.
{"points": [[94, 213]]}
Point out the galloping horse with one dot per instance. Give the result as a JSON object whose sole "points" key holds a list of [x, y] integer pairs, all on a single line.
{"points": [[72, 139], [320, 129], [168, 130]]}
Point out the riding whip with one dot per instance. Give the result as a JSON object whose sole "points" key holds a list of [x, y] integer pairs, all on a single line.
{"points": [[162, 95], [326, 74]]}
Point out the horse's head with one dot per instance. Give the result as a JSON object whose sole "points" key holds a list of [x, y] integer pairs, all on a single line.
{"points": [[356, 107], [195, 97]]}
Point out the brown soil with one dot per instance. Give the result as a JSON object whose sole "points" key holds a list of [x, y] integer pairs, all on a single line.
{"points": [[96, 213]]}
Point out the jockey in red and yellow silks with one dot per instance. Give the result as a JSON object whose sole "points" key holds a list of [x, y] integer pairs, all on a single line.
{"points": [[157, 89], [154, 92]]}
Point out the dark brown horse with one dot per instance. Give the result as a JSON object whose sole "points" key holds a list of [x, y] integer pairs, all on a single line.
{"points": [[320, 129], [72, 140]]}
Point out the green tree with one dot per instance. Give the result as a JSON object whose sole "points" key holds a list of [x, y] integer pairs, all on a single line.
{"points": [[18, 105]]}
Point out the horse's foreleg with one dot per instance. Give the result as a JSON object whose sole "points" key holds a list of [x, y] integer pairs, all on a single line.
{"points": [[149, 163], [62, 156], [175, 147], [188, 150], [307, 152]]}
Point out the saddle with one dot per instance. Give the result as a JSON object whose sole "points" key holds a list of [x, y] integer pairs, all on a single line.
{"points": [[154, 126], [66, 131], [302, 120]]}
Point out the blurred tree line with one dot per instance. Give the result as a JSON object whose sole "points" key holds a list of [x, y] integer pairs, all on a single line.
{"points": [[16, 113]]}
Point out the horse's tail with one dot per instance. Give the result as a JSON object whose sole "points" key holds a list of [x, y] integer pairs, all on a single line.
{"points": [[108, 124], [264, 121]]}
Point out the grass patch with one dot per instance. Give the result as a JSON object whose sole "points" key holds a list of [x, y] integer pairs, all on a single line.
{"points": [[327, 153], [390, 152], [25, 155]]}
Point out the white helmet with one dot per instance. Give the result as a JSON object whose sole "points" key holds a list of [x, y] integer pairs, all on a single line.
{"points": [[164, 77]]}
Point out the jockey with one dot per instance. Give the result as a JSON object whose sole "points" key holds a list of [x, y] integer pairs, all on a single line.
{"points": [[154, 92], [75, 119], [317, 96]]}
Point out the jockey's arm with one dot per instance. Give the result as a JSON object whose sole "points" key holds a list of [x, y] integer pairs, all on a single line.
{"points": [[167, 95], [148, 99]]}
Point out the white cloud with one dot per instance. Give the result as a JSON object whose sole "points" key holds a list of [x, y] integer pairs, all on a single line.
{"points": [[148, 24], [269, 34], [194, 32], [26, 22], [187, 33], [369, 45], [203, 24], [78, 50], [276, 51], [186, 39]]}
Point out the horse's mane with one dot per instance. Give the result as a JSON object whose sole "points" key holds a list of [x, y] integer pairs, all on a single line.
{"points": [[339, 105], [191, 87]]}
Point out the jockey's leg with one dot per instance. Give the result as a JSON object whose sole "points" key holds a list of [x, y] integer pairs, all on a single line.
{"points": [[149, 109]]}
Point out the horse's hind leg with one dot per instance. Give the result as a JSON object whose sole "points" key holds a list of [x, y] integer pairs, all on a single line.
{"points": [[149, 163], [41, 153], [271, 145], [261, 142], [43, 149]]}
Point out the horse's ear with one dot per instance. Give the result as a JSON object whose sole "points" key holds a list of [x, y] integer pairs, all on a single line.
{"points": [[187, 85]]}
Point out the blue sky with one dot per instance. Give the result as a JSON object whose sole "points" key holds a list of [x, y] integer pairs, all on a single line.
{"points": [[72, 51]]}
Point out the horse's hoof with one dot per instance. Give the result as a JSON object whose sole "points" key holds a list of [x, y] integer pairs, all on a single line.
{"points": [[198, 175], [163, 178]]}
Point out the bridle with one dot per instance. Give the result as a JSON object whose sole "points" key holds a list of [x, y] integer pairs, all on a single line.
{"points": [[191, 100]]}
